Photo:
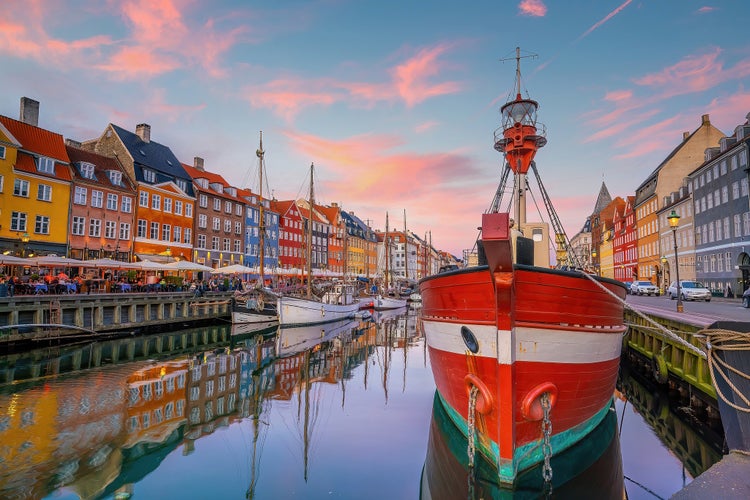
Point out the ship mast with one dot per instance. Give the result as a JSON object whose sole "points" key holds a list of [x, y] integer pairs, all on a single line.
{"points": [[406, 251], [309, 235], [262, 229], [519, 141], [387, 256]]}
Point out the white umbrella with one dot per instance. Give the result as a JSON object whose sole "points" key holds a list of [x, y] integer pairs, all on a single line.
{"points": [[55, 261], [12, 260], [235, 269], [111, 264], [147, 265], [186, 265]]}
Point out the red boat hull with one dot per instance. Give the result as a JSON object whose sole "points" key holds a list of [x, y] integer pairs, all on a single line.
{"points": [[535, 330]]}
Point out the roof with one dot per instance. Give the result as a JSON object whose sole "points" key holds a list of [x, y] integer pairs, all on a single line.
{"points": [[154, 156], [101, 164], [212, 178], [36, 140], [602, 200]]}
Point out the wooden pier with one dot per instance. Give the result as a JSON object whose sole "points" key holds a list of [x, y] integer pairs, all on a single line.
{"points": [[29, 318]]}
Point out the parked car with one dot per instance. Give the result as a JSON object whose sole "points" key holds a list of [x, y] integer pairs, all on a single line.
{"points": [[643, 288], [628, 286], [746, 298], [689, 290]]}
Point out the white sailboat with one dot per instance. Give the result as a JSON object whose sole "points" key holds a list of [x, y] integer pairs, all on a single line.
{"points": [[336, 303], [381, 302], [257, 306]]}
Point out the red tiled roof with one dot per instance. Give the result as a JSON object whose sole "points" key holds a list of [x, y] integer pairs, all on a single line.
{"points": [[37, 140], [25, 163], [101, 164], [212, 178]]}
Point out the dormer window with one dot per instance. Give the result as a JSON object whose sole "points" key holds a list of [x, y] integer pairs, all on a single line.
{"points": [[115, 177], [149, 175], [46, 165], [202, 183], [86, 169], [232, 191], [217, 186], [182, 185]]}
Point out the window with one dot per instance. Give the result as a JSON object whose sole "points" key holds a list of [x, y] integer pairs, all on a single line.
{"points": [[86, 169], [125, 231], [238, 246], [166, 232], [79, 198], [97, 198], [181, 184], [110, 229], [215, 243], [156, 202], [154, 233], [46, 165], [215, 224], [168, 205], [238, 210], [112, 201], [177, 207], [149, 175], [95, 228], [2, 183], [188, 235], [78, 226], [177, 234], [18, 221], [143, 199], [44, 192], [2, 152], [115, 177], [188, 210], [141, 228], [217, 204], [201, 241], [227, 245], [228, 207], [126, 205], [203, 201], [202, 221], [227, 226], [237, 228], [21, 188]]}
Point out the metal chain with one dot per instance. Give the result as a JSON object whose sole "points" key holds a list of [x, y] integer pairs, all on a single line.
{"points": [[546, 445], [470, 435]]}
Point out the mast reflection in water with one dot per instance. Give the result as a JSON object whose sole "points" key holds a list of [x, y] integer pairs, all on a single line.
{"points": [[340, 410]]}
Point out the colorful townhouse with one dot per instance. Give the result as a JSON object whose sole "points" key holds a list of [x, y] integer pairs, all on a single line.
{"points": [[337, 238], [164, 210], [625, 243], [102, 207], [219, 218], [291, 235], [253, 228], [35, 183], [321, 229], [664, 180]]}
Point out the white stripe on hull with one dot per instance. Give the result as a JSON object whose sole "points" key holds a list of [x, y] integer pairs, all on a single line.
{"points": [[250, 317], [543, 345]]}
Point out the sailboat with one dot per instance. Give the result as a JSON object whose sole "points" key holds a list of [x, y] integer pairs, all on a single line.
{"points": [[381, 302], [337, 302], [257, 305], [524, 356]]}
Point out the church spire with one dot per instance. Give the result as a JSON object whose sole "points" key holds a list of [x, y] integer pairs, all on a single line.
{"points": [[602, 200]]}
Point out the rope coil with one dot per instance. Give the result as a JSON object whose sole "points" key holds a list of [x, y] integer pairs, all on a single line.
{"points": [[715, 341]]}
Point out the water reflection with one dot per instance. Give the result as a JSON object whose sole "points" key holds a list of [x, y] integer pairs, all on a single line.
{"points": [[219, 411]]}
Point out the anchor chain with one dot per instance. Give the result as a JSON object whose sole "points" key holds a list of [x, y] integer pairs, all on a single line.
{"points": [[470, 435], [546, 445]]}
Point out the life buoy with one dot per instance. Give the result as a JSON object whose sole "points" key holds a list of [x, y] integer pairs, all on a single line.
{"points": [[531, 406], [485, 401]]}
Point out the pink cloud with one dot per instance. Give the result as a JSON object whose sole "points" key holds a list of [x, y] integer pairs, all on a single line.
{"points": [[288, 97], [534, 8], [618, 95], [606, 18], [411, 78], [706, 9], [424, 127]]}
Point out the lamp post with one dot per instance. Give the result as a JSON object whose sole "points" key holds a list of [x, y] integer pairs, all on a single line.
{"points": [[674, 219], [665, 280], [24, 240], [594, 263]]}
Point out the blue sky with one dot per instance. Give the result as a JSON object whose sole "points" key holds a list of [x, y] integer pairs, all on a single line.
{"points": [[395, 102]]}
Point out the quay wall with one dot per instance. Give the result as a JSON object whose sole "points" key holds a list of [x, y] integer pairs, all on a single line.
{"points": [[22, 317]]}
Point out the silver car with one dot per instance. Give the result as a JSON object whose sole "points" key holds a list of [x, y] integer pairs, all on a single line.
{"points": [[643, 288], [689, 290]]}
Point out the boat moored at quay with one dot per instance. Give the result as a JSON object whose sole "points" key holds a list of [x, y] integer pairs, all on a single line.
{"points": [[524, 357]]}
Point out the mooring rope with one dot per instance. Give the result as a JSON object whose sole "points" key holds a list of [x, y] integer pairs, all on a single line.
{"points": [[666, 332], [716, 340]]}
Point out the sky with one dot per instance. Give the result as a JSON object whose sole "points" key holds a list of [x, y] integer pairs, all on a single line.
{"points": [[395, 102]]}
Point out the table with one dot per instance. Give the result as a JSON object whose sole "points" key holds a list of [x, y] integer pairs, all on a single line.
{"points": [[40, 288]]}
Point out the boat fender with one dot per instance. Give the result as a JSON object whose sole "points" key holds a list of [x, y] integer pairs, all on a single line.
{"points": [[484, 401], [659, 368], [259, 304], [531, 407]]}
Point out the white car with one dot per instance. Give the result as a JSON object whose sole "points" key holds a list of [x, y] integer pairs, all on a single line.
{"points": [[689, 290], [643, 288]]}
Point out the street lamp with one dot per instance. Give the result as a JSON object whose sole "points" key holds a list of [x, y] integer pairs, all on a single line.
{"points": [[24, 240], [674, 219], [665, 280], [593, 262]]}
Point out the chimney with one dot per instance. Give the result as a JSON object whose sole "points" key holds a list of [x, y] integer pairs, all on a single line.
{"points": [[685, 136], [73, 143], [29, 111], [143, 130], [705, 120], [198, 163]]}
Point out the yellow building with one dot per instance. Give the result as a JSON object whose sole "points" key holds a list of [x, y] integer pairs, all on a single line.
{"points": [[35, 186]]}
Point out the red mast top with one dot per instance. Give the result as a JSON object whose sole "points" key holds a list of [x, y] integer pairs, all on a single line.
{"points": [[520, 138]]}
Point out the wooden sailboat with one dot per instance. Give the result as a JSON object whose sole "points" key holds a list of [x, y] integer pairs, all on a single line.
{"points": [[257, 305], [337, 301], [381, 301], [524, 357]]}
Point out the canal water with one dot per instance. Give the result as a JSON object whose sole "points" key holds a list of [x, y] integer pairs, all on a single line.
{"points": [[344, 410]]}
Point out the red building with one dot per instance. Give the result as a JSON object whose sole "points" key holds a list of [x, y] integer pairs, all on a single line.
{"points": [[291, 234], [625, 245]]}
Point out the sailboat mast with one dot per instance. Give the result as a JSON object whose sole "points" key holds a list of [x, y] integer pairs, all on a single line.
{"points": [[262, 228], [309, 234], [387, 255], [406, 250]]}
